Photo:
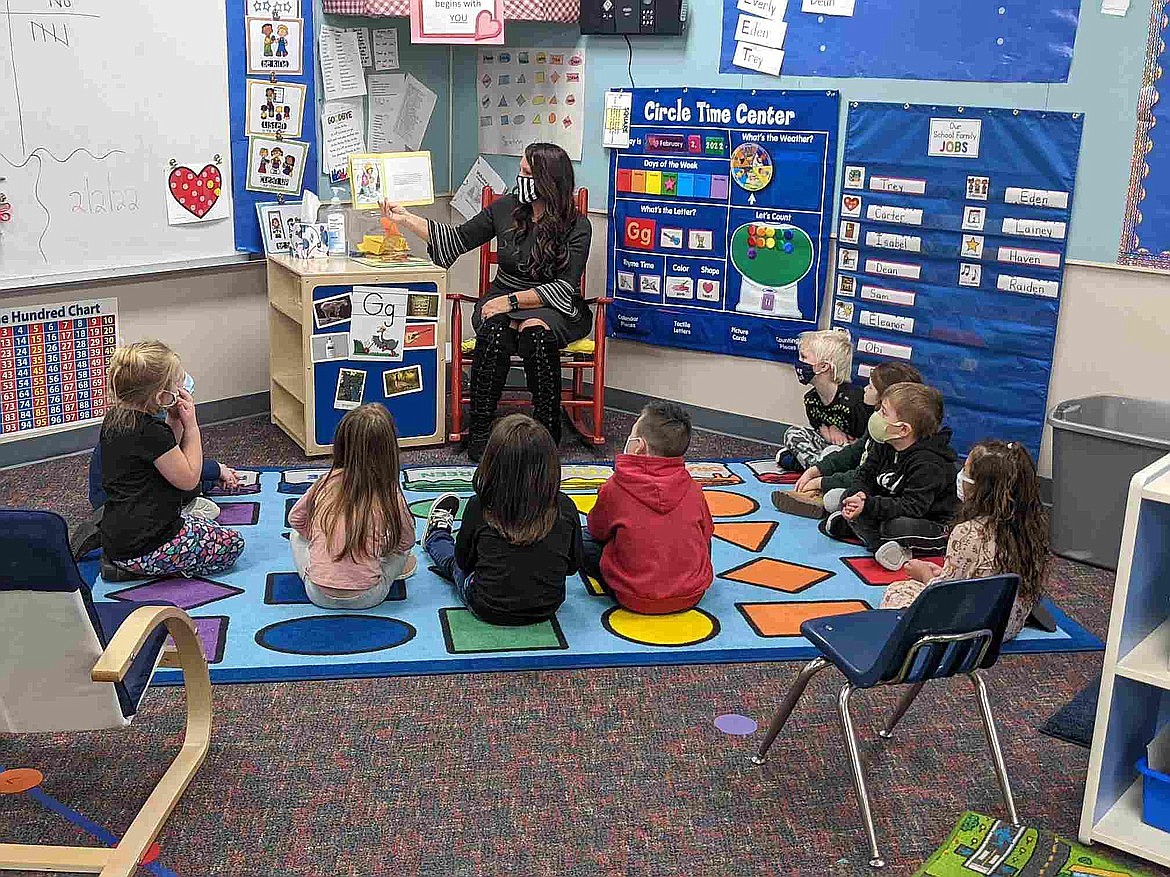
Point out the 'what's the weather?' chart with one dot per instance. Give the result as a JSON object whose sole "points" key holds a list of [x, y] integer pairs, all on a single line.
{"points": [[720, 218]]}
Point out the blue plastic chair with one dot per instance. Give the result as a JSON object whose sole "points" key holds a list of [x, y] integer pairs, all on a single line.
{"points": [[953, 627], [68, 663]]}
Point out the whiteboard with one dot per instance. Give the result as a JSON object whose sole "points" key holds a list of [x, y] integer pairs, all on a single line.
{"points": [[96, 98]]}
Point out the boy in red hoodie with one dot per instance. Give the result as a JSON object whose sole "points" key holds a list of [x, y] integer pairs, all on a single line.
{"points": [[649, 536]]}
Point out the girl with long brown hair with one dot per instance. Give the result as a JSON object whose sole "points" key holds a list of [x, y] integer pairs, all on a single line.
{"points": [[352, 531], [520, 537], [1001, 527], [535, 305]]}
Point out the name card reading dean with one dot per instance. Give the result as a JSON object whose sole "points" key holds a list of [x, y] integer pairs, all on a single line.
{"points": [[893, 269], [955, 138], [897, 184]]}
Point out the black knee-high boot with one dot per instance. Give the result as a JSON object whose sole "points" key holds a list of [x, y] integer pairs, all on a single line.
{"points": [[542, 368], [495, 343]]}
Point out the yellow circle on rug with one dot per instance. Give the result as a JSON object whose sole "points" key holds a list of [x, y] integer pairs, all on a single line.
{"points": [[687, 628]]}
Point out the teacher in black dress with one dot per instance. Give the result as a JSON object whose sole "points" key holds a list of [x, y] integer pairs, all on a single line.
{"points": [[534, 306]]}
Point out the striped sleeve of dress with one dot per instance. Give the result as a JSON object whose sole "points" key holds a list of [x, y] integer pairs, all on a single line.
{"points": [[564, 292], [449, 242], [559, 295]]}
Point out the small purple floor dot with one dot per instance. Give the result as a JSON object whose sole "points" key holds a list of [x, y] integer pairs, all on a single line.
{"points": [[740, 726]]}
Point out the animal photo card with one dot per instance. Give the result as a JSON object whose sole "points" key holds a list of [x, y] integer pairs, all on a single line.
{"points": [[275, 108], [276, 166], [276, 46]]}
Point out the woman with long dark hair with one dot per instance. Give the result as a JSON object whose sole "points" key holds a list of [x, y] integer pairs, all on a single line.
{"points": [[534, 305]]}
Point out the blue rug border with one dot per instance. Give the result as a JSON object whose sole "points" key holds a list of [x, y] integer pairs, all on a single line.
{"points": [[1080, 639]]}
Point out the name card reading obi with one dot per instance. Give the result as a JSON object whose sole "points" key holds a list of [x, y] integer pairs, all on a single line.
{"points": [[1035, 228], [883, 348], [1029, 257], [906, 243], [902, 215], [893, 269], [897, 184], [1029, 286], [1036, 197]]}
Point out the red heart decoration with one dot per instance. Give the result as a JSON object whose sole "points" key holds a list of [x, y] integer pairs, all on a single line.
{"points": [[487, 26], [197, 193], [852, 202], [708, 286]]}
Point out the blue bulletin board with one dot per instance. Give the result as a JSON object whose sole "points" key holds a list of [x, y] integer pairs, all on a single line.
{"points": [[720, 212], [415, 410], [971, 40], [247, 225], [951, 251]]}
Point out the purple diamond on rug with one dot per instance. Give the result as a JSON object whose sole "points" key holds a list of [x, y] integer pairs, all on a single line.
{"points": [[212, 632], [739, 726], [184, 593], [238, 514]]}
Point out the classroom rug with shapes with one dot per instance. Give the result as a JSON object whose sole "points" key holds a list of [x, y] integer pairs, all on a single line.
{"points": [[773, 572]]}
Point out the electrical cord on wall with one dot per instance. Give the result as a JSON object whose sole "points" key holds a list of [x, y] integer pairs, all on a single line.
{"points": [[630, 64]]}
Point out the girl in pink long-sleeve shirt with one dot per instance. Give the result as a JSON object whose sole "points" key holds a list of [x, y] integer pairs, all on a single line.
{"points": [[352, 531]]}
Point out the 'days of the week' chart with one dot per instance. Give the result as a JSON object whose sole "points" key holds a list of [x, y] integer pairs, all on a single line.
{"points": [[721, 210], [53, 364]]}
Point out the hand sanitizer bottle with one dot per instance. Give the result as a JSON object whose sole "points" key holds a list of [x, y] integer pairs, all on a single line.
{"points": [[335, 227]]}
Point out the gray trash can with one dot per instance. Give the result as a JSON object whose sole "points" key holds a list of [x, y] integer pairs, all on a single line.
{"points": [[1098, 443]]}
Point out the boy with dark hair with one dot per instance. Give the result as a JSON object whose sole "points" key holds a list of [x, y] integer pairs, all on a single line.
{"points": [[822, 487], [903, 497], [649, 535]]}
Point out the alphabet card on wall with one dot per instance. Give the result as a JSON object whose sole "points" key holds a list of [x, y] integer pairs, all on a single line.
{"points": [[528, 95], [275, 46], [275, 108], [468, 22], [377, 328], [196, 192], [276, 166]]}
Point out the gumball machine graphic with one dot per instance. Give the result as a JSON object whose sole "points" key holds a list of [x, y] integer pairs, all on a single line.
{"points": [[772, 258]]}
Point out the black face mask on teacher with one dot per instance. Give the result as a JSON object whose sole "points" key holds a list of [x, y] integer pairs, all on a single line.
{"points": [[526, 189]]}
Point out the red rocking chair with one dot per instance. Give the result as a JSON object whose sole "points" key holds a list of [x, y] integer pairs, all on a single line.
{"points": [[580, 356]]}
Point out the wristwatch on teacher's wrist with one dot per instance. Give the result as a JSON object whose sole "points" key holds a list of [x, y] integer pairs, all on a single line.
{"points": [[513, 302]]}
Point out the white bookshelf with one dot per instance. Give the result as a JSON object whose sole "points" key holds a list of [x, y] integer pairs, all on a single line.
{"points": [[1135, 678]]}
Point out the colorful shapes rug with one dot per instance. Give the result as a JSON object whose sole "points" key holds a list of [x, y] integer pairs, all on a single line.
{"points": [[982, 845], [773, 572]]}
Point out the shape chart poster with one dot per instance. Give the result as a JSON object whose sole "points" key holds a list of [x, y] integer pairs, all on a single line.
{"points": [[720, 212], [951, 250]]}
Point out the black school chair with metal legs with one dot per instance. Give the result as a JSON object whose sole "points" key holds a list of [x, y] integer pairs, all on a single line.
{"points": [[952, 628]]}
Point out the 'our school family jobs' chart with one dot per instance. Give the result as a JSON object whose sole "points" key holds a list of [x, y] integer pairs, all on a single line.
{"points": [[721, 212], [951, 250], [53, 362]]}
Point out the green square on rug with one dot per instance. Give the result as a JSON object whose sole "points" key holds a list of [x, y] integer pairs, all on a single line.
{"points": [[465, 634], [984, 845]]}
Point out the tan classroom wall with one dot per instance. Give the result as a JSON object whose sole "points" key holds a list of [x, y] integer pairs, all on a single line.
{"points": [[1112, 337]]}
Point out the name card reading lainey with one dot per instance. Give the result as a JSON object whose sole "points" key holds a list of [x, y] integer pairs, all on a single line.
{"points": [[883, 348], [761, 32], [1036, 197], [773, 10], [893, 269], [759, 58], [890, 296], [1035, 228], [1038, 258], [904, 242], [897, 184], [902, 215], [887, 321], [1029, 286]]}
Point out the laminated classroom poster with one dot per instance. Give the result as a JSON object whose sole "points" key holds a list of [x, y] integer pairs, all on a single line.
{"points": [[721, 211], [53, 365], [952, 239], [968, 41], [531, 95]]}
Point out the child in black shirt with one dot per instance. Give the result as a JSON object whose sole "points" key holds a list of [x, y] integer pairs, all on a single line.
{"points": [[520, 537]]}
